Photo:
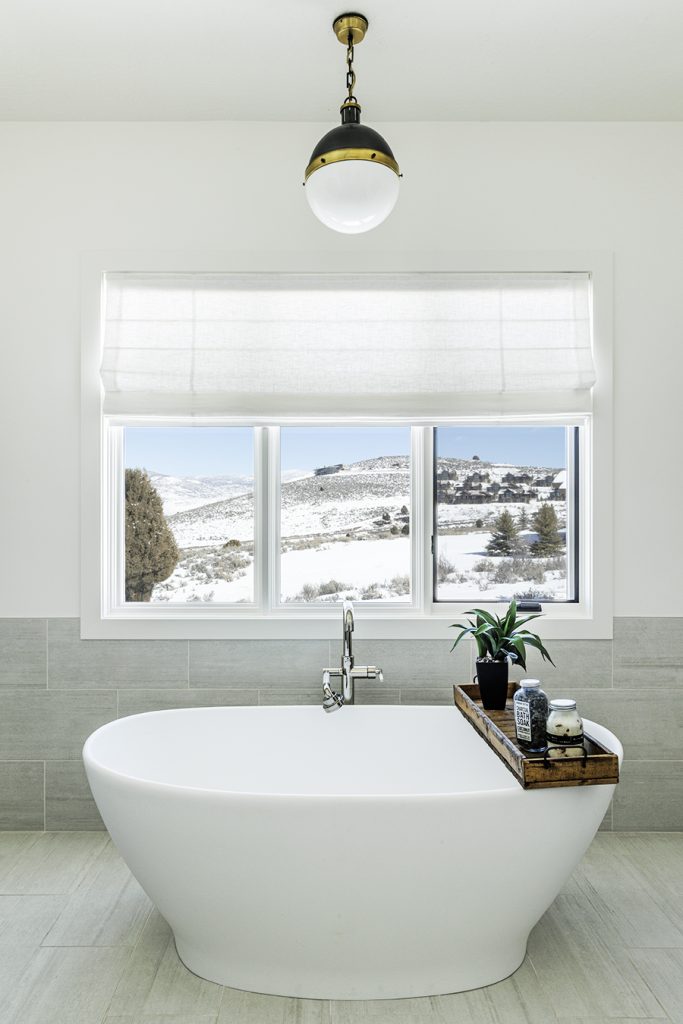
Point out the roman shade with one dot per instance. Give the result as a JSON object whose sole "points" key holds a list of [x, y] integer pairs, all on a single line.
{"points": [[403, 344]]}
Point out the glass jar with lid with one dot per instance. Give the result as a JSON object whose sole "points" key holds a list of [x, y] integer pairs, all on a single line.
{"points": [[564, 729], [531, 711]]}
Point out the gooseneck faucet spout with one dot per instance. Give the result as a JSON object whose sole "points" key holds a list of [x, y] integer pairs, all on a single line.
{"points": [[347, 672], [347, 653]]}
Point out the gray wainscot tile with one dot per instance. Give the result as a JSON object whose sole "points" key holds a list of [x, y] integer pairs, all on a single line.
{"points": [[21, 794], [135, 702], [416, 663], [649, 723], [427, 694], [649, 797], [313, 695], [648, 651], [73, 662], [23, 652], [372, 694], [69, 805], [50, 725], [257, 663], [579, 664]]}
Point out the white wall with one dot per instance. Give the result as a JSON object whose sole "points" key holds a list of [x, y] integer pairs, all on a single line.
{"points": [[68, 188]]}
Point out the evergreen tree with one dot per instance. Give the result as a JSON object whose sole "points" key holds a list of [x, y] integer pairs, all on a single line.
{"points": [[151, 550], [505, 536], [546, 525], [523, 520]]}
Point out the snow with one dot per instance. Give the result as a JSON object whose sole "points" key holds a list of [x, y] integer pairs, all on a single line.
{"points": [[357, 564], [338, 527]]}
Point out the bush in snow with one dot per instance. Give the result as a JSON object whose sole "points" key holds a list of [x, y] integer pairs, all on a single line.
{"points": [[513, 570], [400, 585], [331, 587], [151, 551], [444, 568]]}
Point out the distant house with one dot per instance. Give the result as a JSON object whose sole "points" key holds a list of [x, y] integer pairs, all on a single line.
{"points": [[471, 497], [518, 495], [544, 481], [328, 470], [517, 478]]}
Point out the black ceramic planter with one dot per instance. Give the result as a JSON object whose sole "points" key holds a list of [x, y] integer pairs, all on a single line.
{"points": [[492, 677]]}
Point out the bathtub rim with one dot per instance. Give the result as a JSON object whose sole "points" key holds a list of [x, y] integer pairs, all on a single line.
{"points": [[206, 792]]}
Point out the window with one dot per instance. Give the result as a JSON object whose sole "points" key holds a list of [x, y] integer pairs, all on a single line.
{"points": [[199, 546], [505, 513], [345, 514], [276, 443]]}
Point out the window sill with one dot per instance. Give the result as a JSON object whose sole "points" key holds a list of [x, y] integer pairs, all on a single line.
{"points": [[570, 622]]}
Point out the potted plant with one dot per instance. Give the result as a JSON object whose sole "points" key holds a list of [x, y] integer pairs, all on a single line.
{"points": [[500, 640]]}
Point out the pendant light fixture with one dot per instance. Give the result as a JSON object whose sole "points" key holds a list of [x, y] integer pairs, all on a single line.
{"points": [[352, 177]]}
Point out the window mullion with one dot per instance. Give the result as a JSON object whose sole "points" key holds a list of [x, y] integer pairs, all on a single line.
{"points": [[261, 489], [272, 546], [425, 597]]}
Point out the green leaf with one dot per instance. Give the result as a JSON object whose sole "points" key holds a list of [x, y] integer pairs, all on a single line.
{"points": [[486, 616]]}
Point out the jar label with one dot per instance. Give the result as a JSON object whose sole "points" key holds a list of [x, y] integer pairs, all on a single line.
{"points": [[565, 741], [523, 721]]}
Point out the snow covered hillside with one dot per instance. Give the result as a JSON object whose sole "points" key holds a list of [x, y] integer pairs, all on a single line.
{"points": [[346, 532], [179, 493]]}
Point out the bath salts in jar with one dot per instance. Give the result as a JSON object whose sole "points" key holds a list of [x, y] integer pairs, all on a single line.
{"points": [[531, 711], [564, 729]]}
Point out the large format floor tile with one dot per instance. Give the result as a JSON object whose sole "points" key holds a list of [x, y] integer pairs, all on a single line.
{"points": [[107, 909], [80, 944], [65, 986], [54, 863], [156, 982]]}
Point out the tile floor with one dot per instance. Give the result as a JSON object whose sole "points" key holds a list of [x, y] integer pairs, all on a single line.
{"points": [[81, 944]]}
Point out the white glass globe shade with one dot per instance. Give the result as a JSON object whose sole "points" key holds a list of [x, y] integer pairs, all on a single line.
{"points": [[352, 196]]}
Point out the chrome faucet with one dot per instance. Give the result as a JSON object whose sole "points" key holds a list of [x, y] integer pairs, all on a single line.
{"points": [[348, 673]]}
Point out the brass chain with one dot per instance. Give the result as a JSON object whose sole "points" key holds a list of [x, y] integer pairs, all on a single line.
{"points": [[350, 74]]}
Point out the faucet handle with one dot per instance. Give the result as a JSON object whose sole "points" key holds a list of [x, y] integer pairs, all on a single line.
{"points": [[332, 700], [368, 672]]}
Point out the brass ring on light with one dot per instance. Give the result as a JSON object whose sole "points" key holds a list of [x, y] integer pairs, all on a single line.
{"points": [[352, 24], [334, 156]]}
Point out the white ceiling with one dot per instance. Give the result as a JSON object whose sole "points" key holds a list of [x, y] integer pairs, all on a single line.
{"points": [[265, 60]]}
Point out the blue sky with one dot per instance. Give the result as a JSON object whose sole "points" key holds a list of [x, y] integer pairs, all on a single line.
{"points": [[531, 446], [221, 451]]}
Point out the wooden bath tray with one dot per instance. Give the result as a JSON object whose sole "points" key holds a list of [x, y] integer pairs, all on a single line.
{"points": [[497, 728]]}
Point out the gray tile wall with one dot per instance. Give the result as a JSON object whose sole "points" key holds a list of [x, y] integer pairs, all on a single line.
{"points": [[55, 689]]}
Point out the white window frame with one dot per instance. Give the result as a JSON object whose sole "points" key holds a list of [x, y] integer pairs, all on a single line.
{"points": [[103, 616]]}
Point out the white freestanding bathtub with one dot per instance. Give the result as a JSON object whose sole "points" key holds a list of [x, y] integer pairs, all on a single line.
{"points": [[375, 853]]}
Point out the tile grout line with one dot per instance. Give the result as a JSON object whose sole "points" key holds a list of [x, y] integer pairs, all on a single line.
{"points": [[44, 796]]}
